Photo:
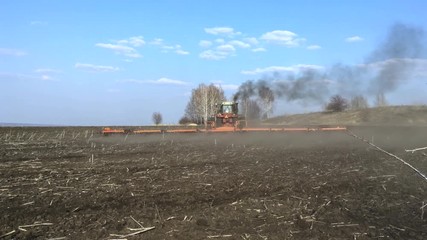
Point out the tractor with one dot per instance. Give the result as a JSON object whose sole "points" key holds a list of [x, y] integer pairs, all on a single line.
{"points": [[226, 119], [227, 115]]}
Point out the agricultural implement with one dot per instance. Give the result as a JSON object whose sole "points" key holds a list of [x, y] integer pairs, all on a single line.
{"points": [[108, 131], [225, 120]]}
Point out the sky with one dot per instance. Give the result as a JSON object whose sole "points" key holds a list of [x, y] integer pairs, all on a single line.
{"points": [[115, 62]]}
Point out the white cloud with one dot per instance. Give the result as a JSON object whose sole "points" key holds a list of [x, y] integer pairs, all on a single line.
{"points": [[120, 49], [38, 23], [45, 77], [240, 44], [166, 48], [251, 40], [12, 52], [272, 69], [163, 81], [314, 47], [226, 48], [181, 52], [46, 70], [169, 48], [95, 68], [282, 37], [133, 55], [223, 47], [157, 41], [227, 31], [46, 73], [125, 47], [211, 55], [354, 39], [220, 52], [169, 81], [176, 49], [136, 41], [205, 43], [259, 49], [419, 64]]}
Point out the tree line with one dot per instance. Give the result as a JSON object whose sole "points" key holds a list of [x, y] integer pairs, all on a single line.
{"points": [[204, 99], [337, 103], [253, 105]]}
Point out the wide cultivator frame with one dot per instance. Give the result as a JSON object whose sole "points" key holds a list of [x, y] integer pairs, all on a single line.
{"points": [[108, 131]]}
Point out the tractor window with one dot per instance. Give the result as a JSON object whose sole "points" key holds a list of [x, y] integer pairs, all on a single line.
{"points": [[226, 109]]}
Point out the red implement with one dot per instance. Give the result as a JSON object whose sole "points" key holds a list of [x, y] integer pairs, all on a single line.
{"points": [[225, 129]]}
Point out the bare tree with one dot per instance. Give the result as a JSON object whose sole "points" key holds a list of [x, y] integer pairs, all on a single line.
{"points": [[244, 94], [253, 110], [157, 118], [359, 102], [337, 104], [202, 102], [191, 109], [185, 120], [380, 100], [266, 97]]}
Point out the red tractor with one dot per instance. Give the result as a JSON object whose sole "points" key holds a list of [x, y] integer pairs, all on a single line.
{"points": [[227, 115]]}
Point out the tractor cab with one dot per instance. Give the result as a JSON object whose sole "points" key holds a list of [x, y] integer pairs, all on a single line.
{"points": [[227, 114], [228, 108]]}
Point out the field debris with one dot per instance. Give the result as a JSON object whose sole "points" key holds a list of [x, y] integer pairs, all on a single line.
{"points": [[390, 154], [424, 205], [136, 232], [416, 149], [220, 236], [7, 234], [36, 224]]}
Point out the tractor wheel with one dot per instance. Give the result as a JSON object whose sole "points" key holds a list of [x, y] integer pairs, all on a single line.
{"points": [[218, 122]]}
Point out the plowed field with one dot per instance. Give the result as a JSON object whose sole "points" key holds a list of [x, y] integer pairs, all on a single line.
{"points": [[72, 183]]}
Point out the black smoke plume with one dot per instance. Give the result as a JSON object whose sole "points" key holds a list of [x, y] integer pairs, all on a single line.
{"points": [[308, 86], [385, 69], [396, 56]]}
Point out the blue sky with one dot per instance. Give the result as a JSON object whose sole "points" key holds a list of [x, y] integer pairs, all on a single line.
{"points": [[116, 62]]}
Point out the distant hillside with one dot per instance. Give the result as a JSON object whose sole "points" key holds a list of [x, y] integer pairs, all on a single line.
{"points": [[391, 115]]}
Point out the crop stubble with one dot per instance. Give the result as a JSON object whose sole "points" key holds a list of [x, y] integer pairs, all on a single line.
{"points": [[72, 183]]}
